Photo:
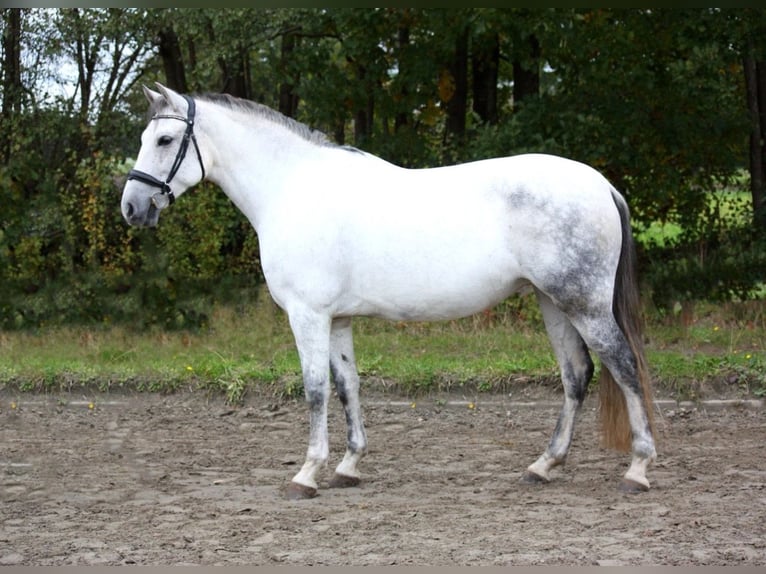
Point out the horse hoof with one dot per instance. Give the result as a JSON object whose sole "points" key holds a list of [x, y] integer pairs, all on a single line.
{"points": [[530, 477], [631, 486], [343, 481], [295, 491]]}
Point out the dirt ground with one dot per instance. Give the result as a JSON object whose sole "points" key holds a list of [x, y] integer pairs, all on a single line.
{"points": [[187, 479]]}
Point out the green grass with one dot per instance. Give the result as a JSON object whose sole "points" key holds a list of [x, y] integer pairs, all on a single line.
{"points": [[723, 351]]}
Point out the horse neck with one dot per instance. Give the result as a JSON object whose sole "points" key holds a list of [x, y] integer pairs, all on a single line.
{"points": [[252, 158]]}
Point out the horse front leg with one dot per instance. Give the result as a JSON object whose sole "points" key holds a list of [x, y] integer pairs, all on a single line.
{"points": [[312, 337], [346, 378]]}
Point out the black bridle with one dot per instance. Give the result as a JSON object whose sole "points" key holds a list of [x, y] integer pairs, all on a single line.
{"points": [[164, 186]]}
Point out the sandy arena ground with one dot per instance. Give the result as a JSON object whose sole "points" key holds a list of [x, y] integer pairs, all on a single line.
{"points": [[187, 479]]}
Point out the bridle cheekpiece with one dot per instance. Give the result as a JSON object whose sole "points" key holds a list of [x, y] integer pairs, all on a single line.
{"points": [[164, 186]]}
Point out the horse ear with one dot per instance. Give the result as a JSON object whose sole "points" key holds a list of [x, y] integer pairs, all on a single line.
{"points": [[151, 95], [173, 98]]}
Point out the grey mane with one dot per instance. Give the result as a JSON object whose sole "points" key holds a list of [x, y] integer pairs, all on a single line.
{"points": [[256, 109]]}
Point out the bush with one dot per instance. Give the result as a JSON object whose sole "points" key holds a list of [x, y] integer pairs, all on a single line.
{"points": [[718, 257], [68, 257]]}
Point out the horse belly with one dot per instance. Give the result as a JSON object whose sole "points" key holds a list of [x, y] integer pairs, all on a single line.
{"points": [[429, 304], [432, 279]]}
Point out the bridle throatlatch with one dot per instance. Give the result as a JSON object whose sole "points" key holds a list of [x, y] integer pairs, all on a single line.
{"points": [[164, 186]]}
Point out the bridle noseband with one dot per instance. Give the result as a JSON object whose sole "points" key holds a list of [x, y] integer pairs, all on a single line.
{"points": [[164, 186]]}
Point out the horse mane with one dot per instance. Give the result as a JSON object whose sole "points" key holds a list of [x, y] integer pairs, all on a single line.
{"points": [[255, 109]]}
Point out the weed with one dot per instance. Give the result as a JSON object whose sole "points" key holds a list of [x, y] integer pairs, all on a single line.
{"points": [[234, 389]]}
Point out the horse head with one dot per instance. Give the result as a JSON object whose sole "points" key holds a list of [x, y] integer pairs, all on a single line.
{"points": [[160, 173]]}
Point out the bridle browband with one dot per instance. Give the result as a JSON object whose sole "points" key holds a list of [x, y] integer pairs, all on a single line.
{"points": [[164, 186]]}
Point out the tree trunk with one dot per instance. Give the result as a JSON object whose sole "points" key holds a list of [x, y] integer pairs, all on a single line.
{"points": [[485, 62], [526, 70], [288, 99], [172, 60], [12, 87], [457, 105], [87, 49], [191, 50], [339, 131], [756, 93], [402, 117], [364, 112], [759, 201], [235, 75], [363, 119]]}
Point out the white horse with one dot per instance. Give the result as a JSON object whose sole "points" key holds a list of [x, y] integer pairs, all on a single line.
{"points": [[343, 233]]}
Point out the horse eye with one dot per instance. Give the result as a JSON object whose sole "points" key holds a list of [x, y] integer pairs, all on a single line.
{"points": [[164, 140]]}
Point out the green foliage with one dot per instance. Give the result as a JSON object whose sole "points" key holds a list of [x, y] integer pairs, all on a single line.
{"points": [[718, 257], [652, 98], [70, 258]]}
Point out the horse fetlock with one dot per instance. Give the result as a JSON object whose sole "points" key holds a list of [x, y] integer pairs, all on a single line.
{"points": [[635, 479], [643, 448], [637, 475], [308, 472], [539, 471], [304, 479], [348, 466]]}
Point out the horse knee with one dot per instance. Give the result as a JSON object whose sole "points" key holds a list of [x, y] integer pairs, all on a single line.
{"points": [[340, 384], [585, 375], [346, 380], [576, 376], [315, 396]]}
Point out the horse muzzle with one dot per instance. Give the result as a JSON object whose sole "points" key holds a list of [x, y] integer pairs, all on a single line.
{"points": [[141, 211]]}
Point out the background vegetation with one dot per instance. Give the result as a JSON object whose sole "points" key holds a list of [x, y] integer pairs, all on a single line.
{"points": [[669, 103]]}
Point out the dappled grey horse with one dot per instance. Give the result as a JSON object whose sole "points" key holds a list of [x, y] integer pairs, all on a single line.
{"points": [[343, 233]]}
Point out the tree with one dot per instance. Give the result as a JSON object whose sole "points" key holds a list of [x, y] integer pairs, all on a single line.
{"points": [[172, 59], [485, 69], [526, 55], [288, 98], [107, 46], [11, 80], [750, 28], [755, 80], [454, 85], [660, 100]]}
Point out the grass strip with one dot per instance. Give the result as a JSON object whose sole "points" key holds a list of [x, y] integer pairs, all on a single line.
{"points": [[721, 353]]}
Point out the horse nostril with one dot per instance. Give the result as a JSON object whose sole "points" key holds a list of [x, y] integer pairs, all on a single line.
{"points": [[129, 211]]}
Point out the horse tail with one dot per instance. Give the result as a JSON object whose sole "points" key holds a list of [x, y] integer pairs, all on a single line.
{"points": [[626, 306]]}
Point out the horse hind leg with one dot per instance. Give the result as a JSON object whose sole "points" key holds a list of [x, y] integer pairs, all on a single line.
{"points": [[576, 372], [626, 412], [346, 378]]}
